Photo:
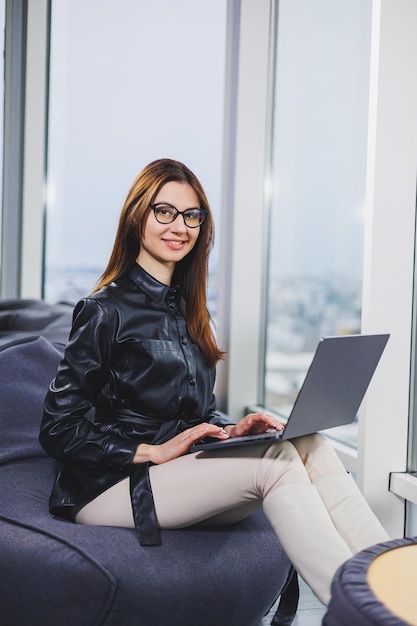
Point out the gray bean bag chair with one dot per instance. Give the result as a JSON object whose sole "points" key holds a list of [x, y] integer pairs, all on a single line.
{"points": [[56, 572]]}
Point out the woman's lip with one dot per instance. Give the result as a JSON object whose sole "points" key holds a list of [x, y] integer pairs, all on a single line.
{"points": [[174, 243]]}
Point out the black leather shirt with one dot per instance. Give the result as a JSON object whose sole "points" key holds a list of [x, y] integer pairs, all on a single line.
{"points": [[130, 374]]}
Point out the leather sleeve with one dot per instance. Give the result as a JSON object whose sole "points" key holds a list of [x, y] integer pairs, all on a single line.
{"points": [[221, 419], [218, 417], [66, 432]]}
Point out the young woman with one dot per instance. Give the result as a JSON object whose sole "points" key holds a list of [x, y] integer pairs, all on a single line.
{"points": [[135, 390]]}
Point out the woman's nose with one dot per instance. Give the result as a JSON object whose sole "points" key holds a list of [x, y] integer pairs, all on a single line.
{"points": [[178, 225]]}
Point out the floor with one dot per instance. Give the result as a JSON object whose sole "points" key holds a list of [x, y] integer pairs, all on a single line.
{"points": [[310, 611]]}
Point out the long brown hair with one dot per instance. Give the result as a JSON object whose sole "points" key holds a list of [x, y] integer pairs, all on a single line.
{"points": [[192, 271]]}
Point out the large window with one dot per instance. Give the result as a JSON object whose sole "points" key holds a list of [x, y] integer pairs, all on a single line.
{"points": [[130, 82], [318, 190]]}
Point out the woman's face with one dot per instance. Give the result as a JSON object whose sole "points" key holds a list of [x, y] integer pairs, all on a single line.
{"points": [[163, 245]]}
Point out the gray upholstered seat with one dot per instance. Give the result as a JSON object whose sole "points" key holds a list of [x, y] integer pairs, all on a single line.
{"points": [[55, 572]]}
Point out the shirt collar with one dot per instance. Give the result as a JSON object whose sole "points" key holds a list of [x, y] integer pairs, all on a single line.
{"points": [[148, 284]]}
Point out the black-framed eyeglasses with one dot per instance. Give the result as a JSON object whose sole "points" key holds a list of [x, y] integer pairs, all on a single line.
{"points": [[166, 213]]}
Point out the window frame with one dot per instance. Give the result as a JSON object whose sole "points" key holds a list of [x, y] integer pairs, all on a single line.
{"points": [[24, 168]]}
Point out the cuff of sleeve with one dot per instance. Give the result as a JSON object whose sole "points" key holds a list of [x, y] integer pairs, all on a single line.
{"points": [[120, 453]]}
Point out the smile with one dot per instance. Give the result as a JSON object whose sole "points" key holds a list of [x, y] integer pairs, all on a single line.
{"points": [[174, 243]]}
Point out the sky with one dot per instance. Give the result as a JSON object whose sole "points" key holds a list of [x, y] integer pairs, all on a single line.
{"points": [[320, 137], [135, 80], [131, 81]]}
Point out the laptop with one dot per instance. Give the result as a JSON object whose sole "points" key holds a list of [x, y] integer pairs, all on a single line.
{"points": [[332, 391]]}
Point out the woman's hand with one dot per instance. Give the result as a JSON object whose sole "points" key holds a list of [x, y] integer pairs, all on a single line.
{"points": [[178, 445], [252, 424]]}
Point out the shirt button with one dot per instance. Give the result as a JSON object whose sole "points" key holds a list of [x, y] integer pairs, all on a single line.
{"points": [[192, 381], [184, 341]]}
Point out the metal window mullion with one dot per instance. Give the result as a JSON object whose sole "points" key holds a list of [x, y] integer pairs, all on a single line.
{"points": [[35, 148], [14, 103]]}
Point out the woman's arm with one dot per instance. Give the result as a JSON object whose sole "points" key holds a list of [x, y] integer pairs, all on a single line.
{"points": [[178, 445], [66, 432], [218, 417]]}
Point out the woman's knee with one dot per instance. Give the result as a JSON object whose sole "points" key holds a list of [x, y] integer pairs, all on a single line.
{"points": [[309, 445], [318, 456], [283, 465]]}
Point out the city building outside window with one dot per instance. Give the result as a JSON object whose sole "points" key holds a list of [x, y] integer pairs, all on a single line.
{"points": [[318, 178]]}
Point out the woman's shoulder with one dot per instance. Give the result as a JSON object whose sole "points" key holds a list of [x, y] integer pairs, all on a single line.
{"points": [[104, 301], [132, 290]]}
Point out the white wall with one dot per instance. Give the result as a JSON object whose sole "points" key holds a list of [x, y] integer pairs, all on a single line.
{"points": [[245, 254], [389, 250]]}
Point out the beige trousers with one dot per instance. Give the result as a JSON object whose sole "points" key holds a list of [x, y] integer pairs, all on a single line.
{"points": [[314, 506]]}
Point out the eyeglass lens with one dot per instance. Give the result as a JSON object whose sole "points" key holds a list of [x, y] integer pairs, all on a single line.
{"points": [[165, 214]]}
